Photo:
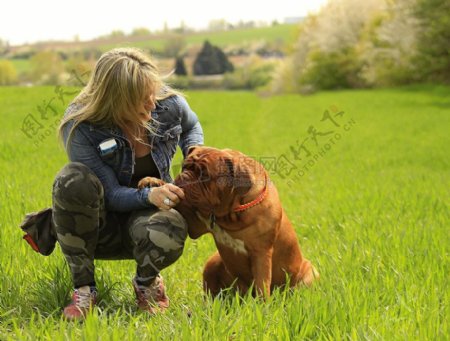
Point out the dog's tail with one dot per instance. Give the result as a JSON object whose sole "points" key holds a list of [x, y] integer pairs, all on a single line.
{"points": [[309, 273]]}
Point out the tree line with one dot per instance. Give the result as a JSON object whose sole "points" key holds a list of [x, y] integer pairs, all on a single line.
{"points": [[371, 43], [348, 44], [49, 67]]}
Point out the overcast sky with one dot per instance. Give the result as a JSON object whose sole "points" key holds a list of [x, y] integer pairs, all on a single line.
{"points": [[29, 21]]}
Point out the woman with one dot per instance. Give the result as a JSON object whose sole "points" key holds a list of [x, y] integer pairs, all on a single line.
{"points": [[124, 125]]}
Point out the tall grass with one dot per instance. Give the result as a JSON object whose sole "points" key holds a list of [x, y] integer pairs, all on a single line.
{"points": [[372, 213]]}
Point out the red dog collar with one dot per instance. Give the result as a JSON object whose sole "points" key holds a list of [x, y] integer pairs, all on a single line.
{"points": [[257, 201]]}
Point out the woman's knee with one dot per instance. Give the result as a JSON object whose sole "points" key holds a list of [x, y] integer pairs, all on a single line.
{"points": [[77, 207], [163, 235], [76, 184]]}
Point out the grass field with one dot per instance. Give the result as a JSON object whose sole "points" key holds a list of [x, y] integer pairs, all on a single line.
{"points": [[370, 206]]}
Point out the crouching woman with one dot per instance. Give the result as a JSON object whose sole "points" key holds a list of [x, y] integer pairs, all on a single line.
{"points": [[124, 125]]}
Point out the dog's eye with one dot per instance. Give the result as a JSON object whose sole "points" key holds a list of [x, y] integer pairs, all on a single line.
{"points": [[187, 164]]}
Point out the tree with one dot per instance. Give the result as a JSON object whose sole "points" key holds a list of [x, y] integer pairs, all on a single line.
{"points": [[79, 68], [4, 47], [333, 32], [182, 28], [211, 60], [218, 25], [140, 32], [434, 39], [116, 34], [180, 68], [46, 67], [388, 45], [174, 45], [8, 74]]}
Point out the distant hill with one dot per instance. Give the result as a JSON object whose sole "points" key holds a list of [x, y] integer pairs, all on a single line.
{"points": [[269, 44], [279, 35]]}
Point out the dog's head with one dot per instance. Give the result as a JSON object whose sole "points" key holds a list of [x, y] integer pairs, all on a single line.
{"points": [[212, 178]]}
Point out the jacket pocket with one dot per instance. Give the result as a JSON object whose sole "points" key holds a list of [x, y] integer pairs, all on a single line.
{"points": [[110, 152], [113, 159]]}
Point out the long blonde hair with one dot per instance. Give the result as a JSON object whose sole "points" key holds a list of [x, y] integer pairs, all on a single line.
{"points": [[122, 81]]}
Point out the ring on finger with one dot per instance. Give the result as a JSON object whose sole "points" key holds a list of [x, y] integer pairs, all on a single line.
{"points": [[167, 201]]}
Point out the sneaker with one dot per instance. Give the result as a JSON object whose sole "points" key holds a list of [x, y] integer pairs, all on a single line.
{"points": [[83, 299], [153, 297]]}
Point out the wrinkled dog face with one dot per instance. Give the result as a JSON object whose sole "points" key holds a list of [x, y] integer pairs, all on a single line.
{"points": [[211, 178]]}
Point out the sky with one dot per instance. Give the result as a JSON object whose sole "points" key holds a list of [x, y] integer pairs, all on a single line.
{"points": [[30, 21]]}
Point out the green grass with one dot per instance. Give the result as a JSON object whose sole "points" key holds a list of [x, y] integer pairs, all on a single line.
{"points": [[371, 212]]}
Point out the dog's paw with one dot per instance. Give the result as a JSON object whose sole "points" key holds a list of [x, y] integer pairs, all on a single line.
{"points": [[150, 182]]}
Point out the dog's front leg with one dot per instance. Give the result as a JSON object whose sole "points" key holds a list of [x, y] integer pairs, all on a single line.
{"points": [[261, 265], [196, 227]]}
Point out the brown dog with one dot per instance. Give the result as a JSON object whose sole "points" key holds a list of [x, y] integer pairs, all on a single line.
{"points": [[230, 195]]}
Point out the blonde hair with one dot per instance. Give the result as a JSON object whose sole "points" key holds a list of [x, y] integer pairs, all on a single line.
{"points": [[121, 82]]}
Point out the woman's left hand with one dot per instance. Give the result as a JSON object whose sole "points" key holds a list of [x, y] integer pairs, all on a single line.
{"points": [[166, 197]]}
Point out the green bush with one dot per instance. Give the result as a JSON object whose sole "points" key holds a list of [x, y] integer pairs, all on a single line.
{"points": [[206, 82], [434, 40], [332, 70], [8, 73], [180, 82], [197, 82], [253, 75], [46, 67]]}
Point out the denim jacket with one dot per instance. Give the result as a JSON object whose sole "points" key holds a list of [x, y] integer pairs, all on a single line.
{"points": [[175, 124]]}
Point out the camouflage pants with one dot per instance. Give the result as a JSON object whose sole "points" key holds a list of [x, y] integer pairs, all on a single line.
{"points": [[86, 231]]}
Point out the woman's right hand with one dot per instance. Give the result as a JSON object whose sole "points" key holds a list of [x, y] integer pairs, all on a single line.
{"points": [[166, 196]]}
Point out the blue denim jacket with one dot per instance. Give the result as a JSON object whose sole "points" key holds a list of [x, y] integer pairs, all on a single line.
{"points": [[175, 124]]}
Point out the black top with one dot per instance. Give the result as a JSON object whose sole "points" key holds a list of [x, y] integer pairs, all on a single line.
{"points": [[144, 166]]}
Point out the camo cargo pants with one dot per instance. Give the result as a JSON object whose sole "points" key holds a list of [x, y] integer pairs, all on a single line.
{"points": [[86, 231]]}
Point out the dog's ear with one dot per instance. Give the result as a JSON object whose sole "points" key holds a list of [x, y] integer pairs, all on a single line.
{"points": [[191, 149], [242, 180], [235, 176]]}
